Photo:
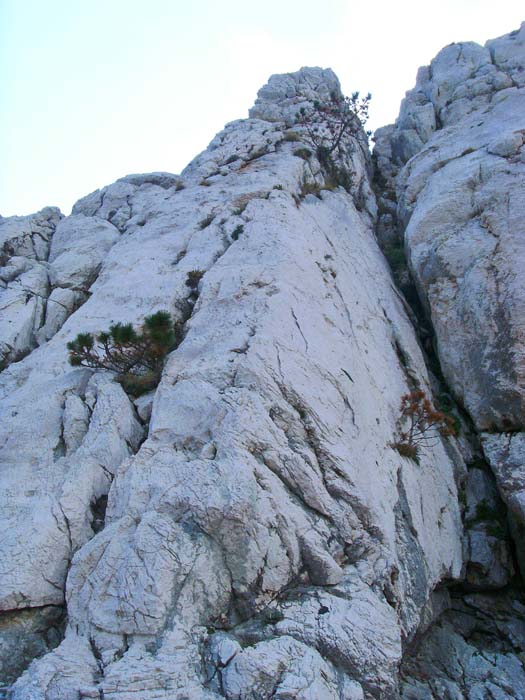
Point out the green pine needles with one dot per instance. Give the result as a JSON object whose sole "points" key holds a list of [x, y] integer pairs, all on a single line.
{"points": [[137, 357]]}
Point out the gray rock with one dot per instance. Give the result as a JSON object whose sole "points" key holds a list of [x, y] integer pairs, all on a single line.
{"points": [[507, 145], [469, 652], [284, 95], [144, 406], [284, 668], [80, 244], [506, 454], [463, 210], [25, 635], [489, 557], [24, 287], [267, 459], [264, 539], [460, 193]]}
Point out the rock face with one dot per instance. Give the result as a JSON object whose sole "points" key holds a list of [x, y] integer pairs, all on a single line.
{"points": [[457, 149], [247, 530], [452, 177], [470, 652], [24, 250], [456, 161]]}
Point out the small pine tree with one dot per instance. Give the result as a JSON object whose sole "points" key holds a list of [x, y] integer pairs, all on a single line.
{"points": [[420, 424], [135, 356]]}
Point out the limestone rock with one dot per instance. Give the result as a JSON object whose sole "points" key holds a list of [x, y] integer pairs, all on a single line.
{"points": [[246, 530], [26, 634], [284, 95], [470, 653], [489, 558], [454, 182], [506, 454], [453, 186], [285, 668], [266, 483], [79, 246], [460, 188], [24, 286]]}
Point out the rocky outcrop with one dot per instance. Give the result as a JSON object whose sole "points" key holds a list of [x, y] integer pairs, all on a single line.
{"points": [[260, 519], [25, 635], [458, 157], [475, 650], [456, 161], [452, 178], [24, 282], [248, 530]]}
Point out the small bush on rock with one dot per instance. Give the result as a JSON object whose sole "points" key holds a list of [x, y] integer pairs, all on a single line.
{"points": [[193, 278], [308, 187], [135, 356], [206, 221], [326, 124], [420, 425], [237, 232]]}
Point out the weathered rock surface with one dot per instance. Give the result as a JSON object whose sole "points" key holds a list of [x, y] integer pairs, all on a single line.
{"points": [[458, 156], [470, 653], [266, 504], [24, 283], [489, 557], [452, 178], [247, 531], [26, 634]]}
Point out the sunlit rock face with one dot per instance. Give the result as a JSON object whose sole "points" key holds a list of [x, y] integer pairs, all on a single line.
{"points": [[246, 530]]}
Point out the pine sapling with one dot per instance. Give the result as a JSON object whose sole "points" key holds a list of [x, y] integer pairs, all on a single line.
{"points": [[326, 123], [135, 356], [420, 425]]}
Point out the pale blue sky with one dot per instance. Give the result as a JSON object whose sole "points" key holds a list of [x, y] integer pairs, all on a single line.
{"points": [[92, 91]]}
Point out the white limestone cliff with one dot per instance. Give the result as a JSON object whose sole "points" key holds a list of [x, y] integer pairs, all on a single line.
{"points": [[262, 538], [452, 171]]}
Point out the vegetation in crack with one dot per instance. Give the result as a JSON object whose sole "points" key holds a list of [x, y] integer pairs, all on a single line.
{"points": [[327, 123], [98, 513], [420, 425], [193, 278], [206, 221], [192, 281], [330, 130], [238, 230], [457, 420]]}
